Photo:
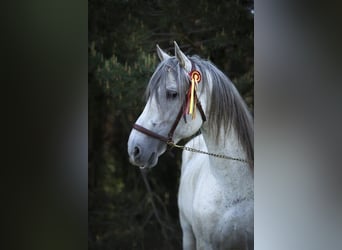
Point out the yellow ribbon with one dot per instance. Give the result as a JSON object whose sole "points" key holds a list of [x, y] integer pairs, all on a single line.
{"points": [[195, 78], [192, 92]]}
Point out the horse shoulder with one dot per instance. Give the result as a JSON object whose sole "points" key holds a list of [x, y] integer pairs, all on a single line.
{"points": [[235, 230]]}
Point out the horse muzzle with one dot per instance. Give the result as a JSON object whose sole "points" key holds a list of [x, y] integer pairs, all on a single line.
{"points": [[142, 157]]}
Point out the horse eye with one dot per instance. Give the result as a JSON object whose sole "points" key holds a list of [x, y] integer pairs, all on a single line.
{"points": [[171, 94]]}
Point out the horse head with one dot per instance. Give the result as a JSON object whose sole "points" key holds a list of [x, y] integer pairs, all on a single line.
{"points": [[166, 115]]}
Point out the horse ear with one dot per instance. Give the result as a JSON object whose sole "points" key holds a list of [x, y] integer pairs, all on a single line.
{"points": [[183, 60], [161, 54]]}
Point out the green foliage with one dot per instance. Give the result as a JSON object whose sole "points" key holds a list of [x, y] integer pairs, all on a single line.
{"points": [[122, 58]]}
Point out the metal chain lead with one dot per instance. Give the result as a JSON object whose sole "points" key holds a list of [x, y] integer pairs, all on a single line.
{"points": [[203, 152]]}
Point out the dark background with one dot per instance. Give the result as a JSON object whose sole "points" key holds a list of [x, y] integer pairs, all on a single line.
{"points": [[297, 117], [122, 57]]}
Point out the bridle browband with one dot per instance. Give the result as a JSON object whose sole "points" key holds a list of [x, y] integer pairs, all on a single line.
{"points": [[169, 138]]}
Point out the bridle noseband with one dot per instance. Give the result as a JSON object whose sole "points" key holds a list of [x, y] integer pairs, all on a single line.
{"points": [[169, 138]]}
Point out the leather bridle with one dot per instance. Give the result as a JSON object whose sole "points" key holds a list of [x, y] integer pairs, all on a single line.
{"points": [[181, 112], [169, 138]]}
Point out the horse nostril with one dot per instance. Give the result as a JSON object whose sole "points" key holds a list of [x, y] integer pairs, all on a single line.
{"points": [[136, 151]]}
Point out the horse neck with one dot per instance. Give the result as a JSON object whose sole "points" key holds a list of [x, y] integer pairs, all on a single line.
{"points": [[234, 175]]}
